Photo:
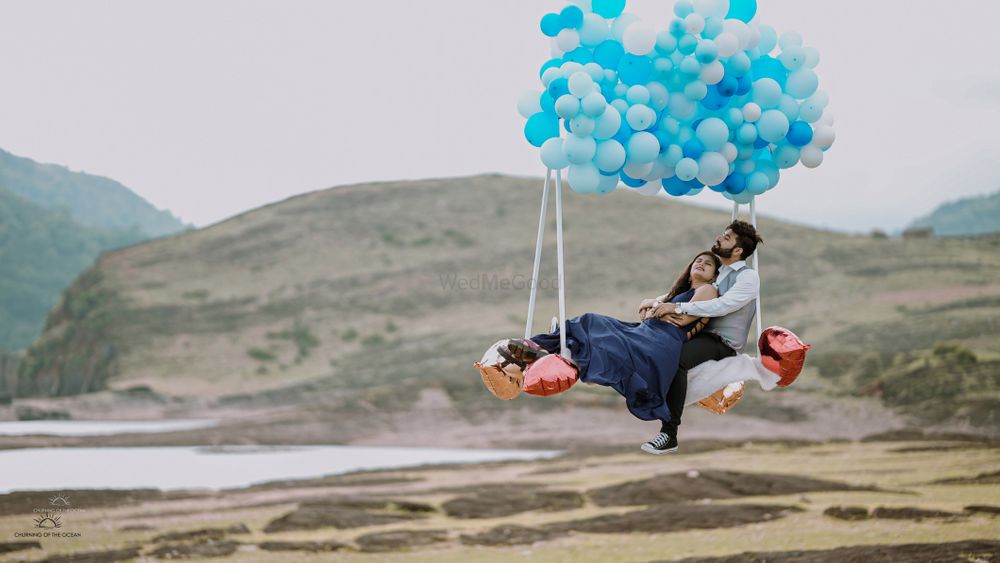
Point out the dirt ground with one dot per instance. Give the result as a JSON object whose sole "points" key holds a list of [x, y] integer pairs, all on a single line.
{"points": [[778, 500]]}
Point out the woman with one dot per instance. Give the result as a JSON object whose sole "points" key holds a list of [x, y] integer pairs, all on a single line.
{"points": [[637, 359]]}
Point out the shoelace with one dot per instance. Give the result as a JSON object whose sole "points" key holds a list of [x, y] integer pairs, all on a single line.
{"points": [[660, 440]]}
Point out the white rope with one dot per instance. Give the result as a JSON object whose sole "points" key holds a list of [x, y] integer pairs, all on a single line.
{"points": [[538, 254], [564, 351], [756, 266]]}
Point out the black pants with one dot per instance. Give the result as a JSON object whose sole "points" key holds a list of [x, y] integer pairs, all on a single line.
{"points": [[703, 347]]}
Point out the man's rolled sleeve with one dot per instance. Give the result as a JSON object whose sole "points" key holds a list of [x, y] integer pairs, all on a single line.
{"points": [[743, 291]]}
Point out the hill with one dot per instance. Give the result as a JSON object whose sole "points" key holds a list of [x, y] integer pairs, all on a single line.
{"points": [[92, 201], [359, 300], [41, 252], [969, 216]]}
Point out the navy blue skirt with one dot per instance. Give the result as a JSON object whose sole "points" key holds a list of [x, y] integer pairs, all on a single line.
{"points": [[637, 359]]}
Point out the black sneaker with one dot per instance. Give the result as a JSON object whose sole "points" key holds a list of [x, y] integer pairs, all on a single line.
{"points": [[524, 351], [663, 443]]}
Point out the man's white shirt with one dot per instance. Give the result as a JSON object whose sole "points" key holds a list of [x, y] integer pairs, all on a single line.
{"points": [[745, 289]]}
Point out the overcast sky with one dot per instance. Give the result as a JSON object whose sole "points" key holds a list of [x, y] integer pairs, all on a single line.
{"points": [[210, 108]]}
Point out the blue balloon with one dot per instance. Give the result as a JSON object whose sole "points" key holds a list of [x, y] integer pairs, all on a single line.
{"points": [[728, 86], [635, 69], [735, 183], [714, 100], [540, 128], [664, 138], [677, 187], [558, 88], [632, 182], [624, 133], [745, 84], [694, 149], [609, 8], [552, 63], [800, 134], [743, 10], [718, 188], [580, 55], [760, 143], [769, 67], [551, 25], [608, 54], [571, 17], [547, 102]]}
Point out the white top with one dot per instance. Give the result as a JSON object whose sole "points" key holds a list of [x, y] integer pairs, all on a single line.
{"points": [[745, 289]]}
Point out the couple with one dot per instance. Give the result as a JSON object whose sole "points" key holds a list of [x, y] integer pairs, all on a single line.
{"points": [[706, 315]]}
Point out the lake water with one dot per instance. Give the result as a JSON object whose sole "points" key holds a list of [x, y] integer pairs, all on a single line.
{"points": [[215, 467], [99, 427]]}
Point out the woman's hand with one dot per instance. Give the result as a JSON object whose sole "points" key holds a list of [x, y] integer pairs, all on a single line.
{"points": [[645, 307]]}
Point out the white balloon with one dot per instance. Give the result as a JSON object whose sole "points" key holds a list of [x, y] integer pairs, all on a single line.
{"points": [[751, 112], [730, 151], [549, 75], [639, 39], [595, 71], [811, 156], [659, 96], [712, 168], [650, 189], [554, 51], [636, 170], [753, 39], [812, 57], [570, 67], [827, 118], [713, 73], [594, 29], [694, 23], [737, 29], [568, 39], [622, 23], [790, 39], [705, 8], [824, 136], [529, 103], [728, 44], [581, 84]]}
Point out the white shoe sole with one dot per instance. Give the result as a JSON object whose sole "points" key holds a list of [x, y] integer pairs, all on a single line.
{"points": [[651, 450]]}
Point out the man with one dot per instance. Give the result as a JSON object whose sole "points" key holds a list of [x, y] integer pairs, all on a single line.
{"points": [[726, 333]]}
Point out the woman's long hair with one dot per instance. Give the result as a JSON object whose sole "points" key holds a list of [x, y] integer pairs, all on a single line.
{"points": [[683, 282]]}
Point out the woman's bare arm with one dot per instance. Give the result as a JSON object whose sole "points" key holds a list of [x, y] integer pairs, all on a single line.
{"points": [[703, 293]]}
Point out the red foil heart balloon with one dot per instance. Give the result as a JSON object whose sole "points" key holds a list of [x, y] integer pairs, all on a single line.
{"points": [[783, 353]]}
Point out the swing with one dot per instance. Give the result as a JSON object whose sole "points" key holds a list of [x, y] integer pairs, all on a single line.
{"points": [[715, 385]]}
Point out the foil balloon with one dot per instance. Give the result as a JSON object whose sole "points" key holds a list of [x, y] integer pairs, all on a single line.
{"points": [[723, 399], [501, 376], [783, 353], [549, 375]]}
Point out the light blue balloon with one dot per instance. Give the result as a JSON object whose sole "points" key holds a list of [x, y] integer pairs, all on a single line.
{"points": [[643, 147], [637, 94], [696, 90], [584, 177], [757, 183], [713, 27], [581, 84], [738, 65], [786, 156], [552, 154], [683, 8], [766, 93], [706, 52], [567, 106], [540, 128], [713, 133], [673, 155], [767, 167], [768, 39], [609, 8], [742, 198], [743, 10], [686, 169], [608, 184], [789, 106], [802, 83], [640, 117], [582, 126], [810, 111], [734, 118], [666, 43], [607, 124], [620, 105], [610, 156], [793, 58], [690, 66], [746, 134], [773, 126], [579, 149], [681, 107], [712, 168], [594, 104]]}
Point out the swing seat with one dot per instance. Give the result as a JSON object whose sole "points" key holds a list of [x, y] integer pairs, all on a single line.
{"points": [[550, 375]]}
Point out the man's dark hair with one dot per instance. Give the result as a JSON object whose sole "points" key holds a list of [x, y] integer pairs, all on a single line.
{"points": [[747, 237]]}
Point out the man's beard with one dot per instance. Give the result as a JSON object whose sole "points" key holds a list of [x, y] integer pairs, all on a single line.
{"points": [[720, 252]]}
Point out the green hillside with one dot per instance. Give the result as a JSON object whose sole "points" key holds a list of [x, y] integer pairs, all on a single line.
{"points": [[358, 298], [970, 216], [41, 251], [93, 201]]}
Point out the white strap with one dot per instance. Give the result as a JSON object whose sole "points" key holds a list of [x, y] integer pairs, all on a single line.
{"points": [[538, 254], [564, 351]]}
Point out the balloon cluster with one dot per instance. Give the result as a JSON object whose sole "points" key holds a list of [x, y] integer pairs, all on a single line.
{"points": [[714, 100]]}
